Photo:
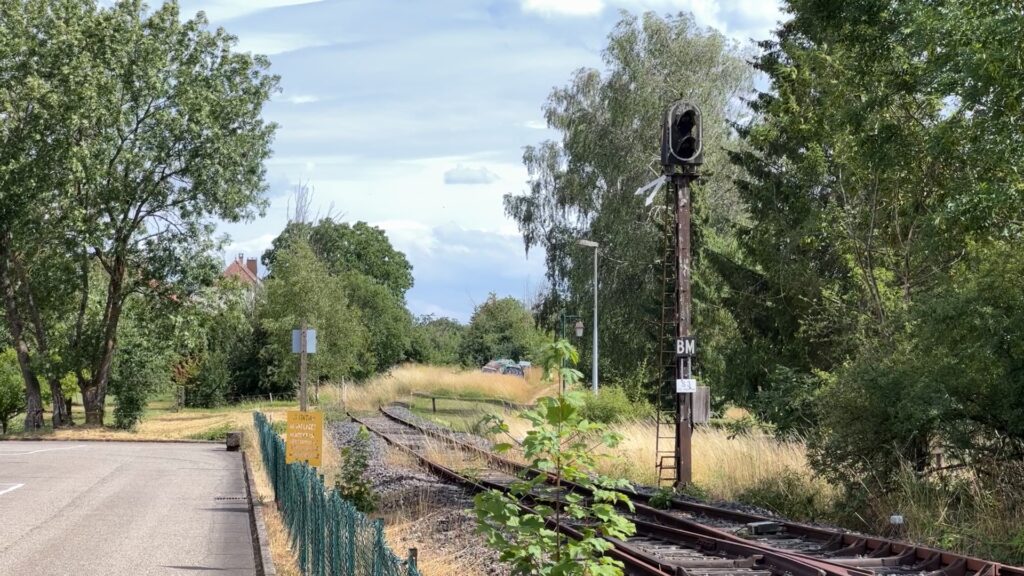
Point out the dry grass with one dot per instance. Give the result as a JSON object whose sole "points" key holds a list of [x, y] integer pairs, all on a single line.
{"points": [[725, 467], [438, 380], [280, 545], [161, 422]]}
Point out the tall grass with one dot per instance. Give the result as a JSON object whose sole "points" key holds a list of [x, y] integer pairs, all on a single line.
{"points": [[958, 511], [437, 380], [724, 467]]}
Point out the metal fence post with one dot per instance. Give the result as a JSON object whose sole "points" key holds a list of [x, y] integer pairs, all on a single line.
{"points": [[378, 548], [350, 521]]}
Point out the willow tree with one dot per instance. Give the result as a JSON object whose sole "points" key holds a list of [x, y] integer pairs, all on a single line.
{"points": [[584, 186], [167, 135]]}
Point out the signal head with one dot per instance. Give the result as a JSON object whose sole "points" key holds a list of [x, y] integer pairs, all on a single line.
{"points": [[681, 141]]}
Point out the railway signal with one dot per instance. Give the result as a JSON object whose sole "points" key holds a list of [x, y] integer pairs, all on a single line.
{"points": [[682, 138], [682, 153]]}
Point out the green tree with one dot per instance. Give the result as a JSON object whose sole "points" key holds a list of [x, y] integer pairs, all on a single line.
{"points": [[584, 185], [560, 448], [302, 290], [41, 59], [388, 324], [881, 159], [500, 328], [225, 355], [346, 248], [12, 389], [436, 340], [167, 136]]}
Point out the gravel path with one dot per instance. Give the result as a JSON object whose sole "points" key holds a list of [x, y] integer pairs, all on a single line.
{"points": [[423, 511]]}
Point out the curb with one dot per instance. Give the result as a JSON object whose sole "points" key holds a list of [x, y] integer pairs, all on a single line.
{"points": [[258, 526], [125, 440]]}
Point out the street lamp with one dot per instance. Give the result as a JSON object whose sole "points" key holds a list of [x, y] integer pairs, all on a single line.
{"points": [[593, 369], [577, 328]]}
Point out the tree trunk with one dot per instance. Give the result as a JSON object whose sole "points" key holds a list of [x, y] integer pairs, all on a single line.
{"points": [[94, 390], [33, 395], [93, 401], [70, 402], [61, 409]]}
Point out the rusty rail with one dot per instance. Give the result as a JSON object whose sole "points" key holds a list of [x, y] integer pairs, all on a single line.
{"points": [[672, 540], [837, 550]]}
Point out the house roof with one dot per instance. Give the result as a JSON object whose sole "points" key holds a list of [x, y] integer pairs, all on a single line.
{"points": [[238, 269]]}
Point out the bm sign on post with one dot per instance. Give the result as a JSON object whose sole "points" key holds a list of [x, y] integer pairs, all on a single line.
{"points": [[686, 346]]}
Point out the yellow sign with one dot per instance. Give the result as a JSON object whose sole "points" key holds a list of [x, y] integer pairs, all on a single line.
{"points": [[305, 440]]}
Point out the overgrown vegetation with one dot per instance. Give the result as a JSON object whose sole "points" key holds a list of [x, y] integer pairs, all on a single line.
{"points": [[561, 445], [352, 482], [856, 244]]}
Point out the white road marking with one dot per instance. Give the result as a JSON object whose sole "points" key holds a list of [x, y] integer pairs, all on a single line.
{"points": [[40, 450], [12, 488]]}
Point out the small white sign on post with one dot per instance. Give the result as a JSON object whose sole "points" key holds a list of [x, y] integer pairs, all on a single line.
{"points": [[310, 341], [686, 386]]}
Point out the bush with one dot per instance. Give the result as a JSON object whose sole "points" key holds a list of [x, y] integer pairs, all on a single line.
{"points": [[210, 386], [611, 405], [139, 369], [789, 494], [131, 403], [352, 484]]}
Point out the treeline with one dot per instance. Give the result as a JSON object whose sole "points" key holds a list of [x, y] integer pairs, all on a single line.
{"points": [[125, 133], [858, 255]]}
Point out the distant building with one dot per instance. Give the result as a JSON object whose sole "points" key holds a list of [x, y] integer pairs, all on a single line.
{"points": [[244, 270]]}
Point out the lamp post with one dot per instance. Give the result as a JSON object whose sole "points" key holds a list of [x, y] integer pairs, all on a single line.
{"points": [[577, 329], [593, 368]]}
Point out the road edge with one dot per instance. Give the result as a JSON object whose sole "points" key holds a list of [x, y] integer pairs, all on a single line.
{"points": [[258, 525], [125, 440]]}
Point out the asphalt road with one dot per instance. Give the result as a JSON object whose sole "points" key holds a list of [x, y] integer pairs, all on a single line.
{"points": [[132, 509]]}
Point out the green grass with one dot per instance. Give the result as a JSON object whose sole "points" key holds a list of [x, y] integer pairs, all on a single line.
{"points": [[459, 415], [214, 433]]}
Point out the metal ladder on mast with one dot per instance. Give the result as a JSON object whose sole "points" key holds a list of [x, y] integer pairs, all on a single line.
{"points": [[665, 425]]}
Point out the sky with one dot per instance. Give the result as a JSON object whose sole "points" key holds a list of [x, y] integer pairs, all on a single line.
{"points": [[412, 115]]}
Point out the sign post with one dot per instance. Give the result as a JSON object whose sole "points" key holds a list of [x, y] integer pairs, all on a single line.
{"points": [[305, 440], [303, 343]]}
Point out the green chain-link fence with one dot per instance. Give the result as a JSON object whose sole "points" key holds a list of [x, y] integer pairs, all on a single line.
{"points": [[329, 535]]}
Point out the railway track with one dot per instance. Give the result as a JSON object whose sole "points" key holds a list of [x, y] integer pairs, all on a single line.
{"points": [[655, 550], [828, 551]]}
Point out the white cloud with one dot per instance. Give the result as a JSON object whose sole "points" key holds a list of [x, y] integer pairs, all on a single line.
{"points": [[469, 175], [739, 19], [270, 44], [456, 267], [302, 99], [564, 7], [536, 124], [217, 10]]}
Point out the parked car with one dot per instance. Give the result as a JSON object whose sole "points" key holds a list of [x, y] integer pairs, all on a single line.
{"points": [[505, 366]]}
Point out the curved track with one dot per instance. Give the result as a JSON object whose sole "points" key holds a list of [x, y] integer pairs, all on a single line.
{"points": [[829, 551], [655, 550]]}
